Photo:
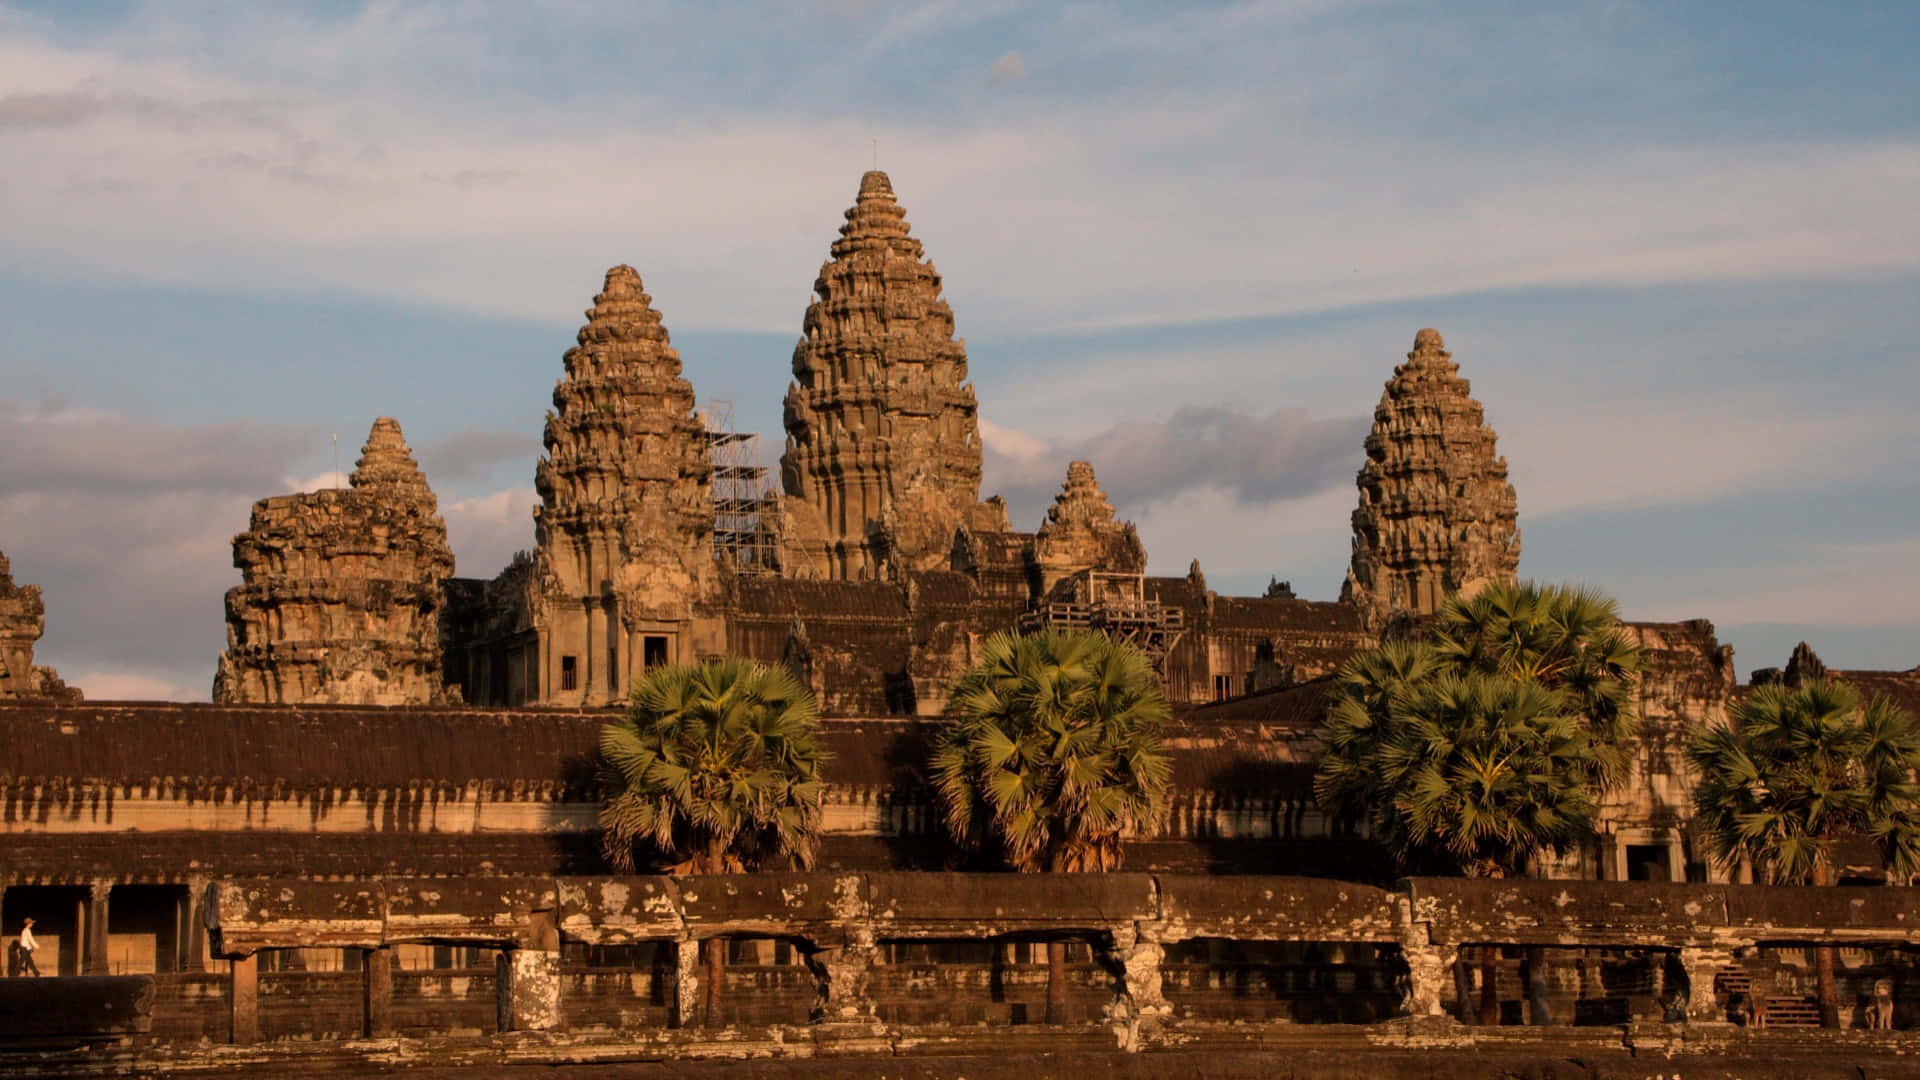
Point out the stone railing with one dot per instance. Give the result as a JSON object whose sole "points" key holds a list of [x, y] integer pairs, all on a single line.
{"points": [[841, 921]]}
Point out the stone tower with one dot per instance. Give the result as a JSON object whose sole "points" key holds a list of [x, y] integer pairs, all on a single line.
{"points": [[1436, 513], [625, 523], [1081, 533], [883, 447], [22, 620], [341, 590]]}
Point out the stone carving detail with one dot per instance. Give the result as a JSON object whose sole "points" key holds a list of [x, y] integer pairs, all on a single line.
{"points": [[341, 590], [882, 436], [624, 530], [22, 620], [1081, 533], [1436, 513]]}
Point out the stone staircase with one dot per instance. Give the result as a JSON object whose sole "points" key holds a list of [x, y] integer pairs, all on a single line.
{"points": [[1787, 1011]]}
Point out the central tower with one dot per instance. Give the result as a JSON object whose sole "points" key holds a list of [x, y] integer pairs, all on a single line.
{"points": [[883, 442]]}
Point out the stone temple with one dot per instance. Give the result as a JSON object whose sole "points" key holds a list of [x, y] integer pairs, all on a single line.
{"points": [[409, 756]]}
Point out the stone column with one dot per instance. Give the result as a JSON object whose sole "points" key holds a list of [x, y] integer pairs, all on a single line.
{"points": [[1429, 970], [196, 924], [1701, 964], [95, 951], [376, 969], [530, 979], [683, 1006], [530, 991], [844, 973], [243, 997], [1139, 1006]]}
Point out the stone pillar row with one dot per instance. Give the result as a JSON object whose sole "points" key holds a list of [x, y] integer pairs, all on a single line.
{"points": [[531, 999]]}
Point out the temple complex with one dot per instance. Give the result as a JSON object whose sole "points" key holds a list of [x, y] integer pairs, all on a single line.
{"points": [[1436, 513], [341, 590], [435, 866], [22, 621]]}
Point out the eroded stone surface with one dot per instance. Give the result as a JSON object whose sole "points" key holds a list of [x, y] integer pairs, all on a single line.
{"points": [[625, 524], [1081, 533], [22, 620], [881, 430], [341, 590], [1436, 513]]}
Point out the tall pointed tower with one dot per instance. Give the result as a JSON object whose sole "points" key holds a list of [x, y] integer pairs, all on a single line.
{"points": [[625, 525], [883, 445], [1436, 513], [341, 590]]}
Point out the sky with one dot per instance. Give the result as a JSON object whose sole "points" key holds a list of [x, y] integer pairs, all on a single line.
{"points": [[1675, 247]]}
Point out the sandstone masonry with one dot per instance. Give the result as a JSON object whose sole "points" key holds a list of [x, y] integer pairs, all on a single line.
{"points": [[883, 445], [22, 621], [1436, 513], [341, 591]]}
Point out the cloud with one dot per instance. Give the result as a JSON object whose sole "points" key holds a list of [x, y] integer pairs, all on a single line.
{"points": [[1834, 584], [353, 172], [125, 524], [471, 453], [485, 531], [1007, 70], [1253, 460]]}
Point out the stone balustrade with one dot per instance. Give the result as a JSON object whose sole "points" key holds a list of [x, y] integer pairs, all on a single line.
{"points": [[839, 921]]}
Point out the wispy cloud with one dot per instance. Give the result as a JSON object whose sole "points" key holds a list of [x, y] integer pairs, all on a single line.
{"points": [[479, 205]]}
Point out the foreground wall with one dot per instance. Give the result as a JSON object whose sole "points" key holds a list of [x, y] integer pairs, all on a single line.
{"points": [[848, 928]]}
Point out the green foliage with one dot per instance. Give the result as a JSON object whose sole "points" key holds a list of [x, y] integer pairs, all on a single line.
{"points": [[716, 767], [1796, 770], [1488, 742], [1051, 751], [1563, 637]]}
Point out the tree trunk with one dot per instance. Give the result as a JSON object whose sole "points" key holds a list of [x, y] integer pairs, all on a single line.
{"points": [[1056, 982], [716, 949], [1489, 986], [1823, 962]]}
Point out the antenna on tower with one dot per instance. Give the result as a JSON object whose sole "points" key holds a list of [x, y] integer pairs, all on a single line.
{"points": [[336, 459]]}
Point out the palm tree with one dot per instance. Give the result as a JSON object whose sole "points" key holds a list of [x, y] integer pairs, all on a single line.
{"points": [[1795, 771], [716, 768], [1566, 637], [1470, 774], [1050, 755]]}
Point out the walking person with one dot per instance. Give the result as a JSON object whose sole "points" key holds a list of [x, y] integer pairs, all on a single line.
{"points": [[27, 946]]}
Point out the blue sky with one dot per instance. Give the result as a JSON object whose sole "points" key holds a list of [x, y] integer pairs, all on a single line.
{"points": [[1675, 246]]}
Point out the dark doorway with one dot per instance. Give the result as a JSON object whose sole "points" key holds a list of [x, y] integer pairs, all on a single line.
{"points": [[1649, 862], [59, 914], [653, 650]]}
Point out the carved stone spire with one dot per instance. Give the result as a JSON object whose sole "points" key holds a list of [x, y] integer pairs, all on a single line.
{"points": [[1436, 513], [1081, 533], [341, 590], [880, 411], [386, 461], [22, 620], [625, 525]]}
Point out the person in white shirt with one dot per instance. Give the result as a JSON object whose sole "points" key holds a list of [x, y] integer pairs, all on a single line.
{"points": [[27, 946]]}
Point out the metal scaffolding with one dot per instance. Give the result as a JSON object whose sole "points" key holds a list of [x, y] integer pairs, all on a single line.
{"points": [[746, 506]]}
